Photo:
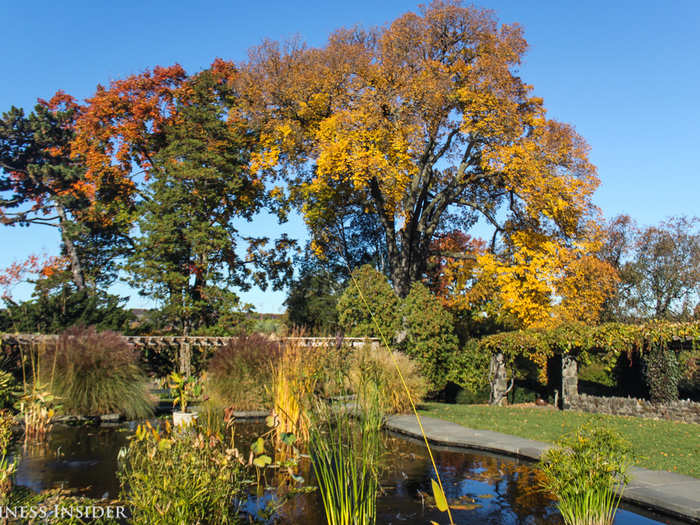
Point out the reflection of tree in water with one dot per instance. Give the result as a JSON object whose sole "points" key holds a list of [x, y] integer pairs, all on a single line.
{"points": [[481, 489], [82, 458]]}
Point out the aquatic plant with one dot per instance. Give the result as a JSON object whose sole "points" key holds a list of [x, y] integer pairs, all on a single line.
{"points": [[7, 467], [345, 446], [586, 471], [184, 477], [183, 389]]}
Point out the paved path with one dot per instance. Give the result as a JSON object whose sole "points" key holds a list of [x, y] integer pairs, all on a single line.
{"points": [[664, 491]]}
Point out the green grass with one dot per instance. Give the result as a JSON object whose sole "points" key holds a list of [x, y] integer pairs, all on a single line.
{"points": [[657, 445]]}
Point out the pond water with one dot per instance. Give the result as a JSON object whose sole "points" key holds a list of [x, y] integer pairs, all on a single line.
{"points": [[481, 487]]}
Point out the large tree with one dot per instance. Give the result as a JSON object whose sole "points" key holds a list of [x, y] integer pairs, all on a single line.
{"points": [[419, 127], [43, 183], [188, 249], [659, 268]]}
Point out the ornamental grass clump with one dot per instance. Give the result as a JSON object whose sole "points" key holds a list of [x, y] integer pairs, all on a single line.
{"points": [[294, 381], [345, 449], [586, 471], [241, 373], [98, 373], [379, 365]]}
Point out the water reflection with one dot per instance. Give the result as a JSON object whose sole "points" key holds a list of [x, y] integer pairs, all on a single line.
{"points": [[481, 488]]}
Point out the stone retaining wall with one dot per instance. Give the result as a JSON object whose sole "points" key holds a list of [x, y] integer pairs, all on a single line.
{"points": [[686, 411]]}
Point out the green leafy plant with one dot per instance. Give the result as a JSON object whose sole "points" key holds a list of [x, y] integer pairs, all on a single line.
{"points": [[469, 368], [661, 374], [240, 374], [183, 389], [586, 471], [379, 315], [97, 373], [8, 388], [184, 477], [8, 467]]}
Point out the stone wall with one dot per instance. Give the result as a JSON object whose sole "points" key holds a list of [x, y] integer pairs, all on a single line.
{"points": [[685, 411]]}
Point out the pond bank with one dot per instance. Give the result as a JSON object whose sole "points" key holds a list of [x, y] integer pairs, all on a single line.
{"points": [[670, 493]]}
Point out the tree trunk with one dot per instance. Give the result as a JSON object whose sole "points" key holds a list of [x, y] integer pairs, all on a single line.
{"points": [[75, 265]]}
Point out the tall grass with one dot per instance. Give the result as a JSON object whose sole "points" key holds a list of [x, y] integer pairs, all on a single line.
{"points": [[586, 471], [240, 374], [294, 381], [98, 373], [384, 367], [345, 450], [36, 401]]}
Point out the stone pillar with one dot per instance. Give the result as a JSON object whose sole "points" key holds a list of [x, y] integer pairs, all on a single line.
{"points": [[569, 381], [498, 379], [185, 359]]}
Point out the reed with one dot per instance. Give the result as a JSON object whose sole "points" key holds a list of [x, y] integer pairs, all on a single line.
{"points": [[345, 448]]}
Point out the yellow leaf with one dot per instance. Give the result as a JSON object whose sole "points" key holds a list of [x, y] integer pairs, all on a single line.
{"points": [[439, 495]]}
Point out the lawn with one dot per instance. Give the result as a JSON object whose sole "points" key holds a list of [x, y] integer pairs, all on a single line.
{"points": [[658, 445]]}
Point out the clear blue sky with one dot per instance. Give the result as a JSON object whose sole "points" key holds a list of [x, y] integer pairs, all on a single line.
{"points": [[625, 73]]}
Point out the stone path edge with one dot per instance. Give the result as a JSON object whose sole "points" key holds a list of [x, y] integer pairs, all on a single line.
{"points": [[666, 492]]}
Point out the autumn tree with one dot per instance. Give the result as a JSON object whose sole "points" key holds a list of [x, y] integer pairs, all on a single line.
{"points": [[423, 126], [659, 268], [188, 249], [43, 183]]}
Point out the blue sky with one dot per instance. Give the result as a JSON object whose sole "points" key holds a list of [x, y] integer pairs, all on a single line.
{"points": [[625, 74]]}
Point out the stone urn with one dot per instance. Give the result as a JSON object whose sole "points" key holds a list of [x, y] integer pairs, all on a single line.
{"points": [[182, 419]]}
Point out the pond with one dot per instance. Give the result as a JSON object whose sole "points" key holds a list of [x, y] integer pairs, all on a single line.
{"points": [[482, 487]]}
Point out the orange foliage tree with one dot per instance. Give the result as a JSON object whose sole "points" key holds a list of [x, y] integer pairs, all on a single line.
{"points": [[43, 181], [422, 127]]}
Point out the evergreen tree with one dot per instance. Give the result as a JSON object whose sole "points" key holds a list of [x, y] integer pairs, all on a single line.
{"points": [[354, 315], [187, 254]]}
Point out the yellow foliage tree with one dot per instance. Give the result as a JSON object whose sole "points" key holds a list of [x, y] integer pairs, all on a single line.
{"points": [[421, 127]]}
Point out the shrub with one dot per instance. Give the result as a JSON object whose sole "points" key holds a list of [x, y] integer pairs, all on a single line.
{"points": [[240, 373], [661, 374], [375, 364], [354, 315], [468, 397], [583, 470], [429, 330], [469, 369], [97, 373], [184, 477]]}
